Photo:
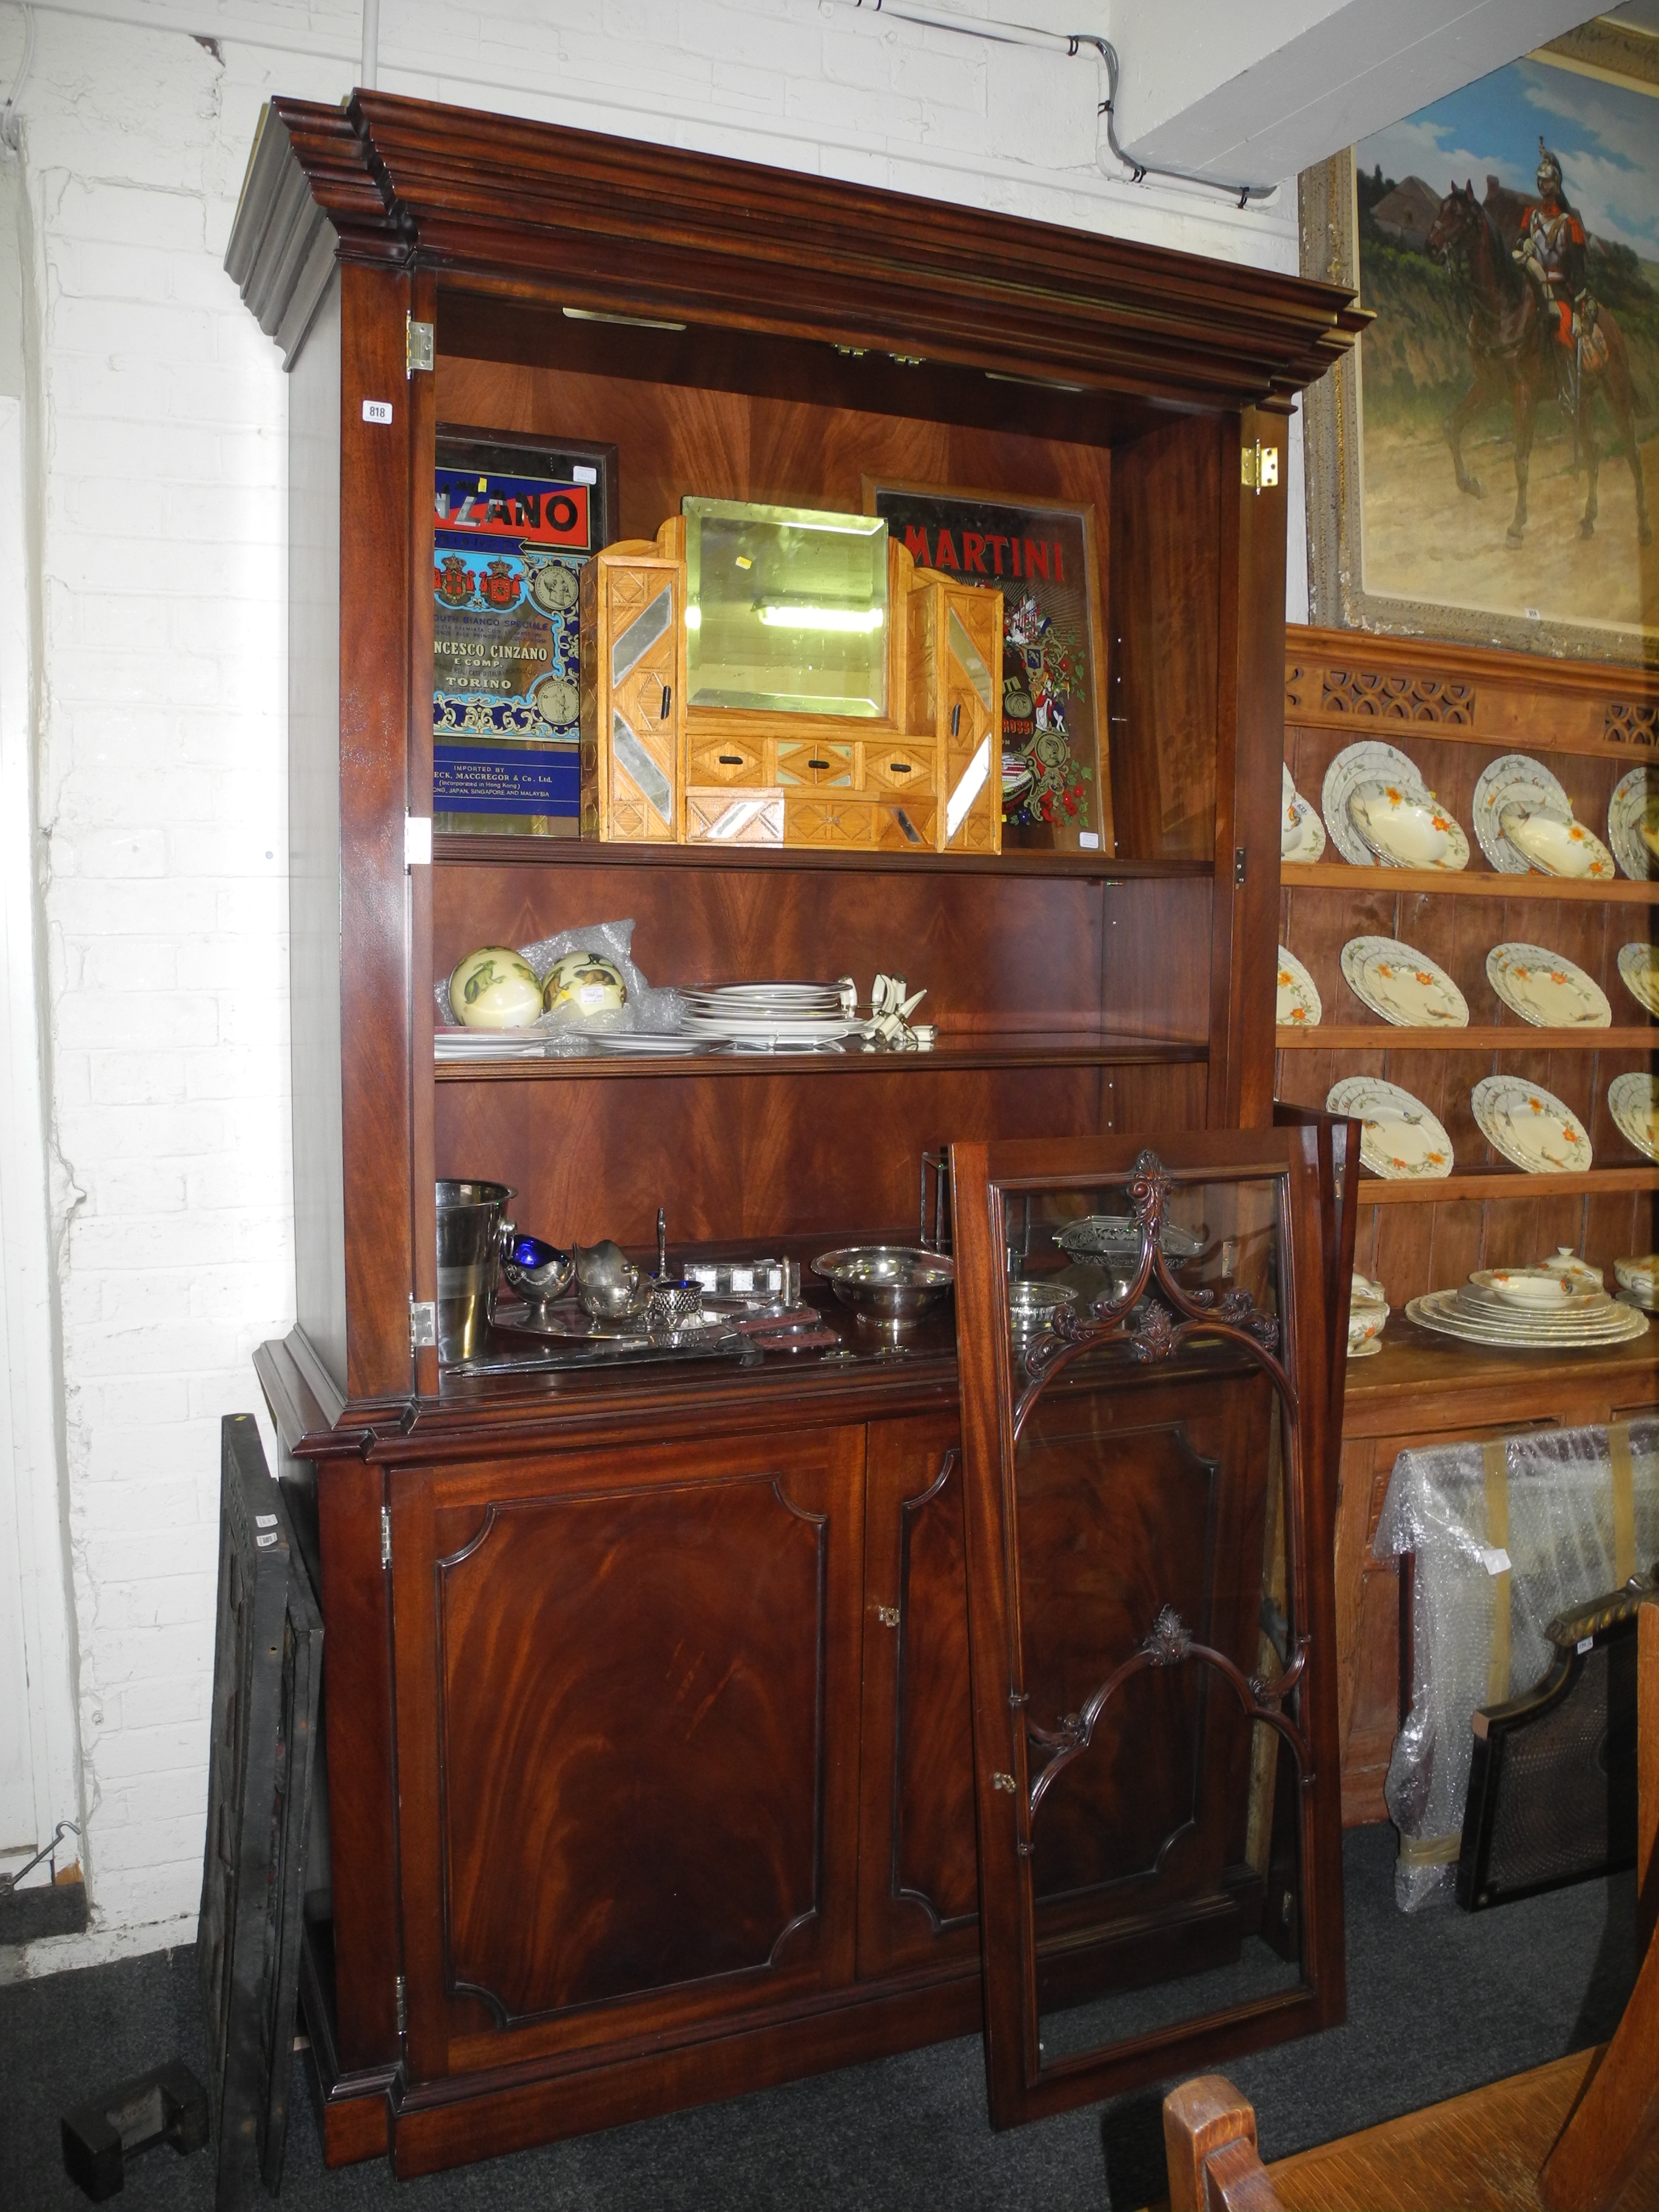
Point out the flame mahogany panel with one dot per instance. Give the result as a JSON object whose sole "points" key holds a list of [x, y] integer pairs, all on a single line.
{"points": [[629, 1786], [1131, 1500], [760, 1156], [918, 1866]]}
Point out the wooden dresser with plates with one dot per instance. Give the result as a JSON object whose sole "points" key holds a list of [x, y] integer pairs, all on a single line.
{"points": [[1453, 711], [593, 1855]]}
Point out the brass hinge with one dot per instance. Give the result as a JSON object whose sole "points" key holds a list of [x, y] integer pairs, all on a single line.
{"points": [[420, 345], [385, 1536], [403, 2008], [1259, 466], [423, 1323]]}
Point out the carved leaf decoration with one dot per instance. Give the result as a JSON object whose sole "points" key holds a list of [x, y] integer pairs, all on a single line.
{"points": [[1170, 1640], [1149, 1192], [1155, 1338]]}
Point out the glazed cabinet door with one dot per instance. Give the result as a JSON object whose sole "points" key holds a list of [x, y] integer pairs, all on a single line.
{"points": [[918, 1868], [627, 1710]]}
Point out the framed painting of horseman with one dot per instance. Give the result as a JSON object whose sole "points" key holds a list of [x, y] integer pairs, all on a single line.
{"points": [[1487, 467]]}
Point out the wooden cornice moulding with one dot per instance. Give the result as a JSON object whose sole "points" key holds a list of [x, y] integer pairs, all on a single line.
{"points": [[1354, 679], [575, 217]]}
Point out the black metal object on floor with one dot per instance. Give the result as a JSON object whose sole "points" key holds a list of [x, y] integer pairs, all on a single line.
{"points": [[166, 2106], [267, 1672]]}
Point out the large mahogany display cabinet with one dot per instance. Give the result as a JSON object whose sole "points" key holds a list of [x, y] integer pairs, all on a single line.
{"points": [[649, 1741], [1453, 710]]}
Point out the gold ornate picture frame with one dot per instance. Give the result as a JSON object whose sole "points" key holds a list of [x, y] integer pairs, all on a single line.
{"points": [[1441, 566]]}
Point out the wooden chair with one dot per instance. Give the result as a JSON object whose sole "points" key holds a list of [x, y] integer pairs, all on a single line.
{"points": [[1580, 2134]]}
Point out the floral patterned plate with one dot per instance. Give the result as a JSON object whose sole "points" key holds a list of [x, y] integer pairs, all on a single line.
{"points": [[1402, 985], [1298, 1006], [1530, 1127], [1638, 969], [1301, 832], [1545, 990], [1633, 1103], [1399, 1140], [1633, 823]]}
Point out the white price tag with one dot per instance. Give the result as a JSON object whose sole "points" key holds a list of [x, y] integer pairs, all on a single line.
{"points": [[1496, 1562], [265, 1519], [581, 473], [376, 410], [1088, 840], [1585, 1643]]}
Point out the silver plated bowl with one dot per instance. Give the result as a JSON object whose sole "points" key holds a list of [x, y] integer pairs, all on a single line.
{"points": [[891, 1284], [537, 1271], [1032, 1306]]}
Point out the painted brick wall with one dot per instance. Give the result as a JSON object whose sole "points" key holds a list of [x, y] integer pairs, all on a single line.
{"points": [[157, 412]]}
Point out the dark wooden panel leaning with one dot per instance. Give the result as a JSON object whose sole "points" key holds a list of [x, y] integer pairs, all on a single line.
{"points": [[487, 1543], [267, 1678]]}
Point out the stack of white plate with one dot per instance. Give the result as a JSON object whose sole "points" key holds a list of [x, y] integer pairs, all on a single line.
{"points": [[781, 1017], [1556, 1306], [490, 1044], [644, 1044]]}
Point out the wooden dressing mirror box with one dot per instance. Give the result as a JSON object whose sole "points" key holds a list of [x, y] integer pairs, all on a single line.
{"points": [[650, 1745]]}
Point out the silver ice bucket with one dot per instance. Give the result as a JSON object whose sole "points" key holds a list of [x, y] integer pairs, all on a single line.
{"points": [[472, 1229]]}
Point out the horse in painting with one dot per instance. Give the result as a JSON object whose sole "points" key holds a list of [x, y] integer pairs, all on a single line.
{"points": [[1509, 340]]}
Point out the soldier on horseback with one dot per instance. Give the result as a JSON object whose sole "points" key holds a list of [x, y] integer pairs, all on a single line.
{"points": [[1554, 254]]}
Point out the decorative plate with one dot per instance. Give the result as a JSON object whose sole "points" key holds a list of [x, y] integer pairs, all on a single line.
{"points": [[1633, 823], [1530, 1127], [1440, 1310], [1298, 1005], [1638, 968], [1558, 849], [1301, 832], [1406, 826], [1633, 1101], [1399, 1140], [1545, 990], [1514, 780], [1404, 986], [1370, 761]]}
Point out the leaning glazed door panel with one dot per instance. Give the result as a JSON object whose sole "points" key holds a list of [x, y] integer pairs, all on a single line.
{"points": [[918, 1865], [628, 1711], [1150, 1613]]}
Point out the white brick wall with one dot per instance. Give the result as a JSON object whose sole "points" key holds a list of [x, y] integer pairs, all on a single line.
{"points": [[158, 412]]}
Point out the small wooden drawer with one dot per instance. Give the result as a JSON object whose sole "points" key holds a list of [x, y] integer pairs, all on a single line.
{"points": [[855, 825], [824, 767], [725, 760], [903, 768], [734, 815]]}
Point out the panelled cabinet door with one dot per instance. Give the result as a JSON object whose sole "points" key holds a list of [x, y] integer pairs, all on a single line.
{"points": [[918, 1868], [627, 1710], [1149, 1543]]}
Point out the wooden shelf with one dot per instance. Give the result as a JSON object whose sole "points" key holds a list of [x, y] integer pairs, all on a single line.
{"points": [[1464, 883], [1503, 1182], [1418, 1367], [1383, 1036], [1017, 1050], [578, 852]]}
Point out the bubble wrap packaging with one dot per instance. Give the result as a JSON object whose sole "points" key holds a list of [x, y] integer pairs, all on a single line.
{"points": [[1505, 1535], [567, 1031]]}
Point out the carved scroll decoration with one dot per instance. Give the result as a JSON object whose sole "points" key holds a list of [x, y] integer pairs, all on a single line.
{"points": [[1626, 723], [1396, 698]]}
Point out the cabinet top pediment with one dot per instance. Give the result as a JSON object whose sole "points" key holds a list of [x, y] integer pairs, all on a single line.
{"points": [[537, 214]]}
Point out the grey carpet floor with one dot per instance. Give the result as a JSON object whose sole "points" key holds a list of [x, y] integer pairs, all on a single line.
{"points": [[1439, 2003]]}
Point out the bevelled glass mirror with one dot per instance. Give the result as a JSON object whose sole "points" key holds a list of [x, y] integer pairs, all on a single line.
{"points": [[1145, 1378]]}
